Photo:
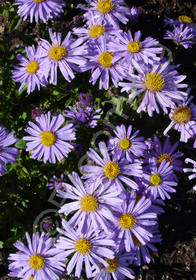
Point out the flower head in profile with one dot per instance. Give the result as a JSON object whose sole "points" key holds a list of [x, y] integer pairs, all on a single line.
{"points": [[125, 144], [182, 19], [37, 261], [134, 14], [192, 170], [156, 84], [7, 154], [67, 55], [87, 248], [130, 48], [39, 9], [182, 35], [109, 171], [47, 140], [84, 99], [103, 64], [31, 70], [183, 119], [57, 183], [106, 11]]}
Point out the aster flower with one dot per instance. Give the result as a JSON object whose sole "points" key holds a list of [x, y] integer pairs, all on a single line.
{"points": [[182, 35], [125, 144], [84, 99], [48, 140], [31, 70], [83, 117], [157, 83], [89, 206], [134, 13], [109, 171], [36, 113], [87, 248], [131, 48], [7, 154], [40, 9], [183, 119], [66, 55], [57, 183], [37, 261], [106, 11], [117, 269], [193, 169], [134, 219], [103, 64], [167, 152], [159, 181], [182, 19]]}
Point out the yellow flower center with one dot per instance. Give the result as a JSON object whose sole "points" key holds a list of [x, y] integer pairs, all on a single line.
{"points": [[111, 170], [154, 82], [105, 59], [83, 246], [32, 67], [134, 46], [31, 278], [185, 19], [37, 261], [105, 6], [57, 52], [161, 157], [136, 241], [89, 203], [125, 144], [96, 30], [48, 138], [155, 179], [38, 1], [113, 264], [127, 221], [182, 114]]}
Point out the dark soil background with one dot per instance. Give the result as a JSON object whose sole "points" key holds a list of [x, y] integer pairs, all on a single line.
{"points": [[176, 256]]}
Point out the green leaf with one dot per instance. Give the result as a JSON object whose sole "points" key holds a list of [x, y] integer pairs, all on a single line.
{"points": [[21, 144]]}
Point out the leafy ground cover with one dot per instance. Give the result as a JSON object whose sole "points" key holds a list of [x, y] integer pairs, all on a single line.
{"points": [[26, 201]]}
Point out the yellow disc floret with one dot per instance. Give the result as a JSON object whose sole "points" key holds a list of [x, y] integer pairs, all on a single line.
{"points": [[105, 6], [155, 179], [89, 203], [134, 46], [111, 170], [185, 19], [96, 30], [182, 114], [32, 67], [161, 157], [105, 59], [48, 138], [127, 221], [83, 246], [125, 144], [37, 261], [154, 81], [113, 264], [31, 278], [38, 1], [57, 52]]}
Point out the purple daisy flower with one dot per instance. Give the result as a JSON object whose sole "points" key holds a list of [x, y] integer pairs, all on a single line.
{"points": [[159, 181], [48, 140], [157, 83], [89, 206], [31, 70], [106, 11], [117, 269], [57, 183], [36, 113], [88, 248], [125, 144], [134, 219], [133, 49], [182, 35], [83, 117], [193, 169], [66, 55], [182, 19], [167, 153], [109, 172], [84, 99], [40, 9], [183, 119], [103, 64], [37, 261], [7, 154], [134, 13]]}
